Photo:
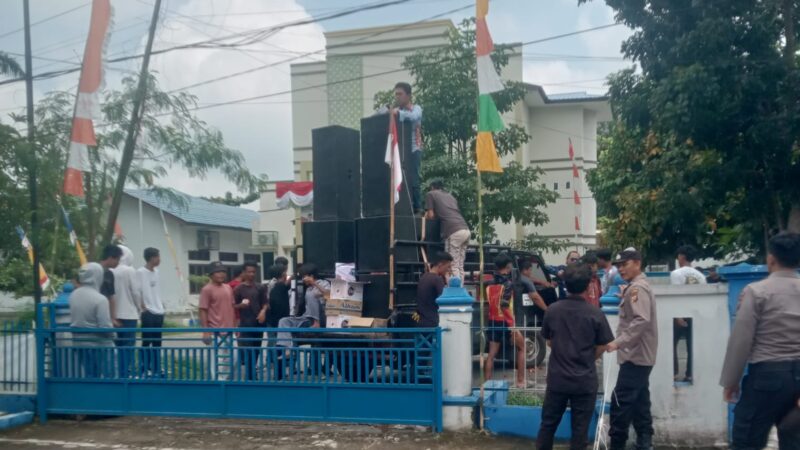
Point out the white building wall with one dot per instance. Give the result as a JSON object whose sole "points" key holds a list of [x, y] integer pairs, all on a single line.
{"points": [[149, 232], [282, 221], [690, 415], [175, 293]]}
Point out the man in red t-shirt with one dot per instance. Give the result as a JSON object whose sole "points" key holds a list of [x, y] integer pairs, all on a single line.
{"points": [[216, 310], [501, 318], [595, 289]]}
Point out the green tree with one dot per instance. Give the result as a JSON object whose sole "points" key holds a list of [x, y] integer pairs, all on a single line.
{"points": [[9, 66], [445, 85], [704, 149], [172, 137]]}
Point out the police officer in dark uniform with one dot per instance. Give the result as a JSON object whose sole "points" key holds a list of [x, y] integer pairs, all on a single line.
{"points": [[767, 336], [636, 343]]}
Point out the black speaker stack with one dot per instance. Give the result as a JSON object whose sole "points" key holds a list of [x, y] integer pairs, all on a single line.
{"points": [[352, 212]]}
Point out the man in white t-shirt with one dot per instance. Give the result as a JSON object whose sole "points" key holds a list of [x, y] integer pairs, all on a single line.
{"points": [[152, 313], [604, 259], [684, 274], [128, 300]]}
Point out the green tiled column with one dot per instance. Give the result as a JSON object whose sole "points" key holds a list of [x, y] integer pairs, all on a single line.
{"points": [[345, 105]]}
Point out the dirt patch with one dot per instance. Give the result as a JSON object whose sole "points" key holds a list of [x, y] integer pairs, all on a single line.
{"points": [[148, 433]]}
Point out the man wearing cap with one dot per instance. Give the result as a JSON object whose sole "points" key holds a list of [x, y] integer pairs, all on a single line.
{"points": [[636, 343], [766, 339], [216, 308]]}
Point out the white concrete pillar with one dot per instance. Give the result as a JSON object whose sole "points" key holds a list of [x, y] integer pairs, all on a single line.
{"points": [[455, 319]]}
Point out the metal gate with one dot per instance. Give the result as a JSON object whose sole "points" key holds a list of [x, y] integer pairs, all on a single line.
{"points": [[368, 376]]}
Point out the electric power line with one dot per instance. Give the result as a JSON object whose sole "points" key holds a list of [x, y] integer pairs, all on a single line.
{"points": [[46, 19]]}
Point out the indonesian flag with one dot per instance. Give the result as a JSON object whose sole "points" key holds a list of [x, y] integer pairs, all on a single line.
{"points": [[87, 105], [392, 157], [44, 280], [489, 120], [299, 194]]}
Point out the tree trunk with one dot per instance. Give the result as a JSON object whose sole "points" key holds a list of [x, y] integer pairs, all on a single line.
{"points": [[133, 130], [794, 219]]}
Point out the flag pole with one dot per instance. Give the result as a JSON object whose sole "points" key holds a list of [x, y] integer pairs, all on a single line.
{"points": [[391, 222], [480, 291]]}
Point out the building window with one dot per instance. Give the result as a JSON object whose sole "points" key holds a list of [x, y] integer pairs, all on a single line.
{"points": [[555, 186], [252, 257], [567, 186], [208, 240], [199, 255], [228, 256]]}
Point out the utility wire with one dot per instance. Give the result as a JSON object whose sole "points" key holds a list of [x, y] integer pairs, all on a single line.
{"points": [[46, 19], [246, 38]]}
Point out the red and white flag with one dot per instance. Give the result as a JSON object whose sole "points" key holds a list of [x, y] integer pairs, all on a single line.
{"points": [[392, 157], [87, 106], [298, 193], [576, 179]]}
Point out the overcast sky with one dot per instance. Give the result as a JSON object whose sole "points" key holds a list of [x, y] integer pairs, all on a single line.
{"points": [[262, 131]]}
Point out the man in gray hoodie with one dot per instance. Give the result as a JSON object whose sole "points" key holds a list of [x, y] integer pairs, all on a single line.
{"points": [[89, 309]]}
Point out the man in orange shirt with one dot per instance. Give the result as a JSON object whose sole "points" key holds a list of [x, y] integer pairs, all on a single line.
{"points": [[216, 311]]}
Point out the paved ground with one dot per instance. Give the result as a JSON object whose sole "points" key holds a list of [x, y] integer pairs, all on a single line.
{"points": [[133, 433]]}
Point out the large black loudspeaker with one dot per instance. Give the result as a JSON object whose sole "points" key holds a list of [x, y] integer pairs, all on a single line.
{"points": [[376, 295], [372, 242], [327, 242], [337, 182], [375, 175]]}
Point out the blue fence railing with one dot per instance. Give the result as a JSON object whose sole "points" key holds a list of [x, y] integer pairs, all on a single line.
{"points": [[17, 360], [353, 375]]}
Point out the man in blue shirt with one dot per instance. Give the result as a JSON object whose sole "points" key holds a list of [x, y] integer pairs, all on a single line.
{"points": [[411, 113]]}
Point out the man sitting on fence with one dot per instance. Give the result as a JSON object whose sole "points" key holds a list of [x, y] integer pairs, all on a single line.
{"points": [[313, 317], [577, 332], [89, 309]]}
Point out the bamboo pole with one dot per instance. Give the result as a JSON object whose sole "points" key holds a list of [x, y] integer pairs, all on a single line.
{"points": [[481, 293], [391, 221]]}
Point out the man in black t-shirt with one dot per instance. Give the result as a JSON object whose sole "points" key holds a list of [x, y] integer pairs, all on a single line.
{"points": [[529, 295], [430, 287], [110, 260], [577, 334], [251, 301]]}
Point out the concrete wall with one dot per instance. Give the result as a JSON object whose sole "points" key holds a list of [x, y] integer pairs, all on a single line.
{"points": [[687, 414]]}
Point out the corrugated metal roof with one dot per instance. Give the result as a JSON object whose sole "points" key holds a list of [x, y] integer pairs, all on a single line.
{"points": [[573, 96], [199, 211]]}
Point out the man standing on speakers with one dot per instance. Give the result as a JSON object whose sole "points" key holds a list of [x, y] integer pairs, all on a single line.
{"points": [[455, 232], [411, 113]]}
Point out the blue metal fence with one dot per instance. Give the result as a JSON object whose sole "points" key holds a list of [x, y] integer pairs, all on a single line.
{"points": [[17, 370], [364, 375]]}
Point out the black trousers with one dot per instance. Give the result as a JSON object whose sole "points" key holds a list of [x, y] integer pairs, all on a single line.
{"points": [[250, 352], [769, 391], [630, 403], [581, 409], [151, 343]]}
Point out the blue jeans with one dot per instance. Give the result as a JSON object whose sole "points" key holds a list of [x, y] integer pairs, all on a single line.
{"points": [[126, 341]]}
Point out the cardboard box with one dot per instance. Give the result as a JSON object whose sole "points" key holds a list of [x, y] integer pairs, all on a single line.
{"points": [[339, 321], [347, 290], [368, 322]]}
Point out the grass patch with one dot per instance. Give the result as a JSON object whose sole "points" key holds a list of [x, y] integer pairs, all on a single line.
{"points": [[522, 398]]}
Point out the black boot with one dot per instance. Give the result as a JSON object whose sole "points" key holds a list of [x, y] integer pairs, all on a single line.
{"points": [[644, 442]]}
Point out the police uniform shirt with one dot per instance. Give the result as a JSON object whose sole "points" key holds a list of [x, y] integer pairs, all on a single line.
{"points": [[637, 333], [767, 327]]}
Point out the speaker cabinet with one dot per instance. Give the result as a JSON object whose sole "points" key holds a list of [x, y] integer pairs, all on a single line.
{"points": [[375, 175], [372, 242], [327, 242], [336, 171]]}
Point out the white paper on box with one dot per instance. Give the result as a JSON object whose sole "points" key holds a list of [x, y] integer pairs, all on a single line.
{"points": [[345, 271], [347, 290]]}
